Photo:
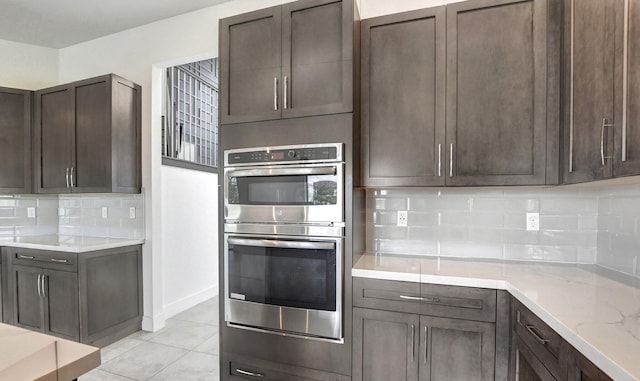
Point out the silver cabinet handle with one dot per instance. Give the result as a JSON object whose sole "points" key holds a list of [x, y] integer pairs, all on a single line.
{"points": [[59, 260], [625, 79], [71, 178], [439, 160], [67, 177], [406, 297], [421, 298], [285, 85], [426, 344], [275, 93], [413, 342], [250, 374], [39, 284], [44, 279], [26, 256], [604, 124], [531, 329], [451, 160]]}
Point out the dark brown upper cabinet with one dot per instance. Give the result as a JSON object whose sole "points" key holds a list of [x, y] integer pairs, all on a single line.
{"points": [[403, 107], [15, 140], [287, 61], [494, 122], [502, 92], [601, 89], [87, 137]]}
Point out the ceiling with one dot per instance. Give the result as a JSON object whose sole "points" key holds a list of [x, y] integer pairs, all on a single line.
{"points": [[61, 23]]}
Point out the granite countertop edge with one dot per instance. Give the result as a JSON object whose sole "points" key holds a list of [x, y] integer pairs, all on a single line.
{"points": [[528, 283]]}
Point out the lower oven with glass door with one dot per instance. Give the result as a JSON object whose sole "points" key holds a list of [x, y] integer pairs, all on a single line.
{"points": [[285, 284]]}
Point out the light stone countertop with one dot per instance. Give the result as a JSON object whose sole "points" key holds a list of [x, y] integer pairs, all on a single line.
{"points": [[599, 316], [28, 355], [68, 243]]}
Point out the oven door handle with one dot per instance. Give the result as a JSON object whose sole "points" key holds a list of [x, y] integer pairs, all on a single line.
{"points": [[281, 244], [330, 170]]}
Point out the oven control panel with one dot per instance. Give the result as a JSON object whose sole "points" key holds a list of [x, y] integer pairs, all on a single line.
{"points": [[288, 154]]}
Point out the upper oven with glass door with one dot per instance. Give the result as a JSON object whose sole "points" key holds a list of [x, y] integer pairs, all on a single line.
{"points": [[302, 184]]}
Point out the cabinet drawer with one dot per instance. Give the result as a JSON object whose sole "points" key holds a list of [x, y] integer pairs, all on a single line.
{"points": [[426, 299], [239, 368], [543, 341], [54, 260]]}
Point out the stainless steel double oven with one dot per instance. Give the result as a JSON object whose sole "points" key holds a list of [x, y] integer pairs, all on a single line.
{"points": [[284, 239]]}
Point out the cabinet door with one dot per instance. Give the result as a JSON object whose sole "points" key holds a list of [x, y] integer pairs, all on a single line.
{"points": [[60, 291], [53, 146], [403, 85], [27, 300], [15, 140], [496, 92], [385, 346], [524, 365], [317, 57], [590, 47], [627, 149], [250, 67], [91, 138], [452, 349]]}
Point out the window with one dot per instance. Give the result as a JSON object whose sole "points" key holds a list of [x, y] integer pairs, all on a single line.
{"points": [[190, 128]]}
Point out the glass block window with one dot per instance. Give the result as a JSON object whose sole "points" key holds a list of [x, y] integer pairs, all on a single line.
{"points": [[190, 128]]}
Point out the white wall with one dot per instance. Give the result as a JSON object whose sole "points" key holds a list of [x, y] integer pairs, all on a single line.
{"points": [[373, 8], [190, 239], [26, 66]]}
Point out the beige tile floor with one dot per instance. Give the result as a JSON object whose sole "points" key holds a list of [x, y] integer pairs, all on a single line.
{"points": [[186, 349]]}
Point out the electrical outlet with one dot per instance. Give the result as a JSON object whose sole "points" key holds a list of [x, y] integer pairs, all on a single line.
{"points": [[402, 218], [132, 212], [533, 222], [105, 212], [61, 212], [31, 212]]}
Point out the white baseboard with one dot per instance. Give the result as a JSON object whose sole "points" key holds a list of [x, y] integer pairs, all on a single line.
{"points": [[187, 302], [153, 323]]}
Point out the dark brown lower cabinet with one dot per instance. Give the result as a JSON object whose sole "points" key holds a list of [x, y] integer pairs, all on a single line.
{"points": [[93, 297], [539, 353], [237, 368], [46, 300], [399, 346]]}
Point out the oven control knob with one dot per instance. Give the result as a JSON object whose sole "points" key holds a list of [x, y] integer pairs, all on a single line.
{"points": [[291, 154]]}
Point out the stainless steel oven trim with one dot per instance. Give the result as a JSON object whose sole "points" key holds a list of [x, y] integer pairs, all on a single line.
{"points": [[286, 213], [317, 230], [292, 170], [335, 330], [338, 146]]}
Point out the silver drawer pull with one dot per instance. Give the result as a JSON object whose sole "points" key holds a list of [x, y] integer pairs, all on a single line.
{"points": [[26, 257], [539, 339], [59, 260], [421, 299], [250, 374]]}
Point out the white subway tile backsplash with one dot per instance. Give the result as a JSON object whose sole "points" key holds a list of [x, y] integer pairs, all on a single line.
{"points": [[578, 224], [81, 214]]}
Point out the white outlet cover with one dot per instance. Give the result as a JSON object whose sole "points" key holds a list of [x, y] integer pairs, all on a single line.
{"points": [[402, 218], [105, 212], [31, 212], [132, 212], [61, 212], [533, 222]]}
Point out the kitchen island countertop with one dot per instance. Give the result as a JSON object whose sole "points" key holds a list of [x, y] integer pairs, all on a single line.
{"points": [[28, 355], [68, 243], [598, 315]]}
